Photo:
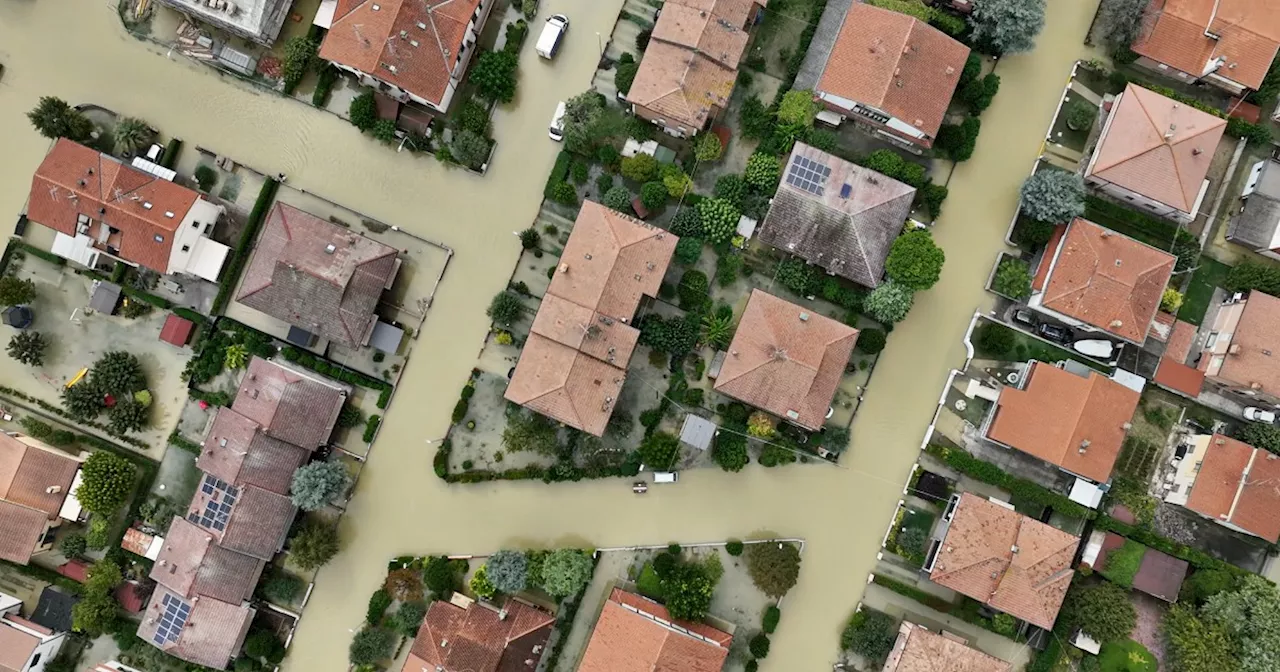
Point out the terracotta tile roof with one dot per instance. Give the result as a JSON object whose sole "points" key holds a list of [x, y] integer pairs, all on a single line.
{"points": [[1179, 377], [701, 31], [1180, 341], [786, 360], [132, 596], [35, 477], [292, 406], [1006, 560], [136, 541], [176, 330], [477, 639], [848, 234], [294, 277], [1108, 280], [1157, 147], [1057, 412], [16, 648], [1161, 327], [1248, 32], [191, 563], [246, 519], [896, 64], [76, 570], [1250, 360], [681, 83], [212, 635], [20, 531], [74, 180], [1046, 257], [634, 634], [238, 452], [735, 12], [1240, 485], [919, 650], [574, 362], [377, 38]]}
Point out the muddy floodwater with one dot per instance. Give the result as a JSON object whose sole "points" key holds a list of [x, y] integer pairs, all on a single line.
{"points": [[75, 49]]}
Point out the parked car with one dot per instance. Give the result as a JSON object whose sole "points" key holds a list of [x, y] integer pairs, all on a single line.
{"points": [[552, 32], [1259, 415], [556, 131], [1026, 316], [665, 476], [1054, 332], [1098, 348]]}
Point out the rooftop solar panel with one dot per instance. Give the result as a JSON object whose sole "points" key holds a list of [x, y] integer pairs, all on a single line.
{"points": [[174, 618], [808, 175]]}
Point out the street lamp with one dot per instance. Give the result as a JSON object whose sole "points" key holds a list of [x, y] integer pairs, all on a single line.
{"points": [[600, 42]]}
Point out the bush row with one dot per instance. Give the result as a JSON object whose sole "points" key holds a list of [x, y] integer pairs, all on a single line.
{"points": [[62, 413], [989, 473], [564, 619], [559, 173], [563, 471], [371, 427], [170, 155], [43, 254], [176, 439], [938, 604], [231, 273], [157, 301]]}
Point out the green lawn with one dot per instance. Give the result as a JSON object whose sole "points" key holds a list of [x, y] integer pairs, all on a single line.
{"points": [[1123, 563], [1126, 656], [922, 523], [649, 584], [1209, 275]]}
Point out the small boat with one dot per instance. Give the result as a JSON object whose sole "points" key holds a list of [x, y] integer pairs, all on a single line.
{"points": [[1097, 348], [639, 487]]}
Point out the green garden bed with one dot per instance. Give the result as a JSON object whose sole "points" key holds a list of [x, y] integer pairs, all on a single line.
{"points": [[1209, 274]]}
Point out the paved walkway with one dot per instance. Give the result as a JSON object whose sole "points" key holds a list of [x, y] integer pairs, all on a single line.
{"points": [[399, 506]]}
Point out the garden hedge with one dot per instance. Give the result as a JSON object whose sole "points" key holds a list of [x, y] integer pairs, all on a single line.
{"points": [[1197, 558], [971, 466], [231, 273], [170, 155], [559, 173]]}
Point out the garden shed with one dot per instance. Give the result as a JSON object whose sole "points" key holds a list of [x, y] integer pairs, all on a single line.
{"points": [[697, 432]]}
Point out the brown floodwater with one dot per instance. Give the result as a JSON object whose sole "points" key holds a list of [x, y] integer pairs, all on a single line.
{"points": [[75, 49]]}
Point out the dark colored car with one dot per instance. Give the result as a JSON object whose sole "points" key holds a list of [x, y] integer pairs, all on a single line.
{"points": [[1055, 333]]}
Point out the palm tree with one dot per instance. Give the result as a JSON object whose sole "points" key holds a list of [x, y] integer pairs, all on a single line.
{"points": [[131, 134], [717, 330]]}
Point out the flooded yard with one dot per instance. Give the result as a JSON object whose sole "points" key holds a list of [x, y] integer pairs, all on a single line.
{"points": [[82, 54]]}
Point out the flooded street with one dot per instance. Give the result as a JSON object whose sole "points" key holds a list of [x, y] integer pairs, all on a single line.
{"points": [[76, 50]]}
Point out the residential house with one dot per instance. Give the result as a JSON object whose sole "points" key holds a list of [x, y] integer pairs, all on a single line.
{"points": [[1075, 421], [1236, 356], [317, 276], [836, 215], [1173, 373], [25, 646], [1257, 224], [1095, 279], [687, 73], [1227, 43], [1007, 561], [207, 631], [192, 563], [919, 649], [574, 362], [786, 360], [237, 450], [1154, 154], [256, 20], [35, 481], [290, 405], [410, 50], [635, 634], [888, 72], [1231, 483], [99, 207], [462, 635]]}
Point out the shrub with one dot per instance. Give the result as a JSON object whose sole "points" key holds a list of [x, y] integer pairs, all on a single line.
{"points": [[889, 303], [692, 289], [565, 572], [95, 537], [972, 70], [1170, 300], [761, 425], [708, 147], [686, 223], [871, 341], [774, 567], [762, 172], [688, 251], [481, 585], [378, 603], [318, 483], [759, 646], [687, 589], [676, 182], [659, 451], [505, 308], [314, 545], [729, 450], [324, 84], [604, 182], [884, 161], [653, 195], [371, 645], [797, 275], [624, 76], [508, 571], [1013, 279], [931, 196], [107, 483], [728, 265], [719, 219], [206, 177], [770, 621], [494, 74], [1250, 275], [73, 546], [915, 261], [467, 147], [1081, 114], [870, 634], [1008, 26], [639, 168], [1253, 133], [979, 93], [283, 587], [27, 347], [363, 112], [1004, 624], [1053, 196], [618, 198], [54, 118], [1102, 610], [440, 577], [959, 140]]}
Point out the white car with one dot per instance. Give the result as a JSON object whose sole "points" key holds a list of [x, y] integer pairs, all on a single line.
{"points": [[556, 130], [552, 32], [1259, 415]]}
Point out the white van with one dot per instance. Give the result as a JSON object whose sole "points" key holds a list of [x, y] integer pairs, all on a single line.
{"points": [[549, 40], [666, 476], [556, 131]]}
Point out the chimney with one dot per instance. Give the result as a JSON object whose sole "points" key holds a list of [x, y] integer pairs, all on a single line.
{"points": [[1233, 349], [1197, 151], [1116, 324], [1084, 446]]}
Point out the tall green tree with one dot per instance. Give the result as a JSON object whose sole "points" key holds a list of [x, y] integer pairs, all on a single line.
{"points": [[494, 74], [15, 291], [131, 135], [774, 567], [687, 589], [1009, 26], [28, 347], [1250, 616], [107, 483], [317, 484], [915, 261], [54, 118], [566, 571], [314, 545], [1101, 610]]}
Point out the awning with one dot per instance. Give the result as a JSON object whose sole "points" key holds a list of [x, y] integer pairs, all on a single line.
{"points": [[71, 509], [324, 15], [746, 227], [207, 258], [78, 249], [1086, 493]]}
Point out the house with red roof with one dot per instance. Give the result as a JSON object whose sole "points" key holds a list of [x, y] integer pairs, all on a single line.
{"points": [[891, 73], [1098, 280], [463, 635], [1227, 43], [1154, 154], [1074, 421], [36, 483], [102, 209], [636, 634], [1238, 354], [1231, 483], [409, 50]]}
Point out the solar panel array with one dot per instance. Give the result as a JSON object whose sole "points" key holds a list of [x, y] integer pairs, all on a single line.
{"points": [[176, 611], [808, 174], [217, 510]]}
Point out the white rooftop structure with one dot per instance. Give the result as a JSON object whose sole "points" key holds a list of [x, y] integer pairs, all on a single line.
{"points": [[257, 20]]}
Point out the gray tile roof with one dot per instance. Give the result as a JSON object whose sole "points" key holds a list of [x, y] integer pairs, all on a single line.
{"points": [[1256, 225], [211, 636], [192, 563], [290, 405], [845, 234], [259, 523], [824, 39]]}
